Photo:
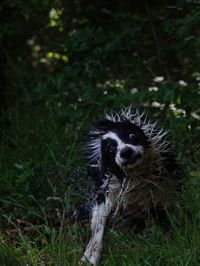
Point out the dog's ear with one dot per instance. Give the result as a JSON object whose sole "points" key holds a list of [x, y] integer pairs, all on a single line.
{"points": [[104, 124]]}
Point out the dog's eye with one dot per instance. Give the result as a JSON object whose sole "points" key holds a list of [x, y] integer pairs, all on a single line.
{"points": [[131, 136]]}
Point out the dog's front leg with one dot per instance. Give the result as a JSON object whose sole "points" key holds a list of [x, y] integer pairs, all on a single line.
{"points": [[100, 213]]}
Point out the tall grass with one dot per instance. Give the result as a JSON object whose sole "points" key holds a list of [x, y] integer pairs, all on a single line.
{"points": [[41, 182]]}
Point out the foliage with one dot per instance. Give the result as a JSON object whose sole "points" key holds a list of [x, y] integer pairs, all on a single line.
{"points": [[63, 64]]}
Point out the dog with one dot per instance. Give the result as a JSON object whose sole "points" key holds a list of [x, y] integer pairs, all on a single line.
{"points": [[134, 173]]}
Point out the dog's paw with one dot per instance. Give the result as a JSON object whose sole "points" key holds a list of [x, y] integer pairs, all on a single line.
{"points": [[84, 260], [87, 261], [91, 256]]}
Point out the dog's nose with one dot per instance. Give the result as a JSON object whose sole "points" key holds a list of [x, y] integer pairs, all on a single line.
{"points": [[126, 153]]}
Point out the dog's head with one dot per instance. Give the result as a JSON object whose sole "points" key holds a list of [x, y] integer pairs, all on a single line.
{"points": [[120, 143]]}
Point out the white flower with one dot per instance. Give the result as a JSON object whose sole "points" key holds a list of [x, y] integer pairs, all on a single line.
{"points": [[52, 13], [195, 115], [105, 92], [133, 90], [19, 166], [182, 83], [158, 79], [153, 88], [158, 105], [172, 106], [177, 111], [196, 74]]}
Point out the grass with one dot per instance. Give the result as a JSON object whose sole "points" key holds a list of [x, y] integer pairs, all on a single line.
{"points": [[50, 107], [150, 248], [38, 153]]}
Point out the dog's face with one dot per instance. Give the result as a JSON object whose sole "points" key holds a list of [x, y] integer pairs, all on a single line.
{"points": [[122, 143]]}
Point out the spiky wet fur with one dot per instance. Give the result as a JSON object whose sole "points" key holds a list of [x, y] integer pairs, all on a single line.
{"points": [[127, 195], [154, 133]]}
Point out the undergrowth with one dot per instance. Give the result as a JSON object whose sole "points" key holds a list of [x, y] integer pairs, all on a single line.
{"points": [[64, 73]]}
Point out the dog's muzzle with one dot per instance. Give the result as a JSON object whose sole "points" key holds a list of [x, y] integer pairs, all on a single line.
{"points": [[129, 157]]}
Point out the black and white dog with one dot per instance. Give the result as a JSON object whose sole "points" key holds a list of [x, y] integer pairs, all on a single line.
{"points": [[135, 174]]}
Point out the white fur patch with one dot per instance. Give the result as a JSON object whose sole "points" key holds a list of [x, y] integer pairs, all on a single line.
{"points": [[112, 135], [99, 215]]}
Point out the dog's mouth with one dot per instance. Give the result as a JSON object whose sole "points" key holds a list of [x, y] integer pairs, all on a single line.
{"points": [[132, 162]]}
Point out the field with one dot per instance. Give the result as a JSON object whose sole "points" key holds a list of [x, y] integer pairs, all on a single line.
{"points": [[53, 93]]}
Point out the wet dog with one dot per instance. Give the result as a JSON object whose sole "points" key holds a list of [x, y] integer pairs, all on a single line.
{"points": [[135, 174]]}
